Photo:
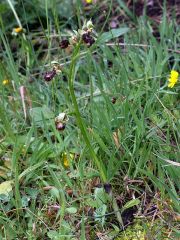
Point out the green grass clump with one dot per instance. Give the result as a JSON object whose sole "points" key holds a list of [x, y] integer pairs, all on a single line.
{"points": [[118, 148]]}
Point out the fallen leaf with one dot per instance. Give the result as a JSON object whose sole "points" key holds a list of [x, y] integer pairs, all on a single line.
{"points": [[22, 91], [116, 139]]}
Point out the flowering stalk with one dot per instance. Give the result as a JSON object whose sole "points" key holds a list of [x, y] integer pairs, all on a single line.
{"points": [[88, 39], [78, 115], [15, 14], [85, 134]]}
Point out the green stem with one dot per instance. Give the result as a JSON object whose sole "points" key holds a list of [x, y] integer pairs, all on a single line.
{"points": [[15, 14], [82, 127], [78, 115], [117, 212], [23, 34]]}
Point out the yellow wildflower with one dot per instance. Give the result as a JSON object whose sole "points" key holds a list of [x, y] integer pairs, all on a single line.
{"points": [[65, 160], [173, 78], [89, 1], [18, 29], [5, 82]]}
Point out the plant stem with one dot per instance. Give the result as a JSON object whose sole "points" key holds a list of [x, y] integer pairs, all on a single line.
{"points": [[82, 127], [15, 14], [23, 34], [78, 115]]}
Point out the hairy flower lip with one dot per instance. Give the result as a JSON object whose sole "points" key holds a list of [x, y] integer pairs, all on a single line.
{"points": [[60, 126], [88, 39], [64, 44], [113, 100], [48, 76], [107, 187]]}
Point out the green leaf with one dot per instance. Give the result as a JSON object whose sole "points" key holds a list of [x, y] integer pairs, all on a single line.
{"points": [[100, 196], [71, 210], [53, 235], [131, 203], [38, 114], [25, 200], [114, 33], [6, 188], [99, 214]]}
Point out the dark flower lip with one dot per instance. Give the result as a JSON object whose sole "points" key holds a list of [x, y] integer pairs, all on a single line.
{"points": [[48, 76], [64, 44], [88, 39], [60, 126], [107, 187], [113, 100]]}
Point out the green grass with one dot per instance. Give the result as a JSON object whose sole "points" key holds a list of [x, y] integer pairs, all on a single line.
{"points": [[127, 144]]}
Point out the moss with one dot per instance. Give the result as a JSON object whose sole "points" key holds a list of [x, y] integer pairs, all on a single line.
{"points": [[142, 231], [134, 232]]}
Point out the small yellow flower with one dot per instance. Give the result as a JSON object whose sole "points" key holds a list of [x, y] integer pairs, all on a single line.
{"points": [[65, 160], [18, 29], [89, 1], [173, 78], [5, 82]]}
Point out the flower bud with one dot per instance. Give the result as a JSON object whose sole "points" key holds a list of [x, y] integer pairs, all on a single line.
{"points": [[62, 117], [89, 25]]}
